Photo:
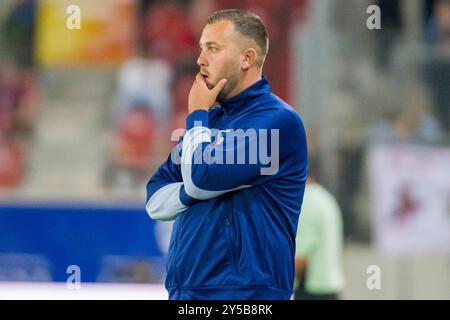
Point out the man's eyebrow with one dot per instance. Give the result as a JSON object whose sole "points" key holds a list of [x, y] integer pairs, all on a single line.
{"points": [[208, 43]]}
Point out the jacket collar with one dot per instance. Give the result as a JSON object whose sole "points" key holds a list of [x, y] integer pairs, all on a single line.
{"points": [[243, 99]]}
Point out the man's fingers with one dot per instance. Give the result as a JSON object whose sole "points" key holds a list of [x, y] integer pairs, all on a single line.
{"points": [[219, 86]]}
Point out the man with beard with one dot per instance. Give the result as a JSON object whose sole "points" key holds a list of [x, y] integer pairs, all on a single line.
{"points": [[235, 204]]}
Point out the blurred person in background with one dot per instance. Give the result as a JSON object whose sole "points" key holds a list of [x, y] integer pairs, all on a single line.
{"points": [[408, 122], [142, 107], [18, 91], [146, 77], [17, 117], [437, 29], [9, 96], [18, 86], [437, 67], [392, 28], [18, 100], [319, 242], [133, 148], [20, 32]]}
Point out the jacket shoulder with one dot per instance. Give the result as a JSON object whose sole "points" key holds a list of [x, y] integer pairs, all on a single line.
{"points": [[279, 113]]}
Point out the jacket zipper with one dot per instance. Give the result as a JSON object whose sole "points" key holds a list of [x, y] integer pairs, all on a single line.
{"points": [[175, 255], [230, 244]]}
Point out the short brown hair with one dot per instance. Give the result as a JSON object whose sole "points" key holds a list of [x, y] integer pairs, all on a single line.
{"points": [[248, 24]]}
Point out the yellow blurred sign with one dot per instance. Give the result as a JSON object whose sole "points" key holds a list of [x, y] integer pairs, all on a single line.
{"points": [[106, 33]]}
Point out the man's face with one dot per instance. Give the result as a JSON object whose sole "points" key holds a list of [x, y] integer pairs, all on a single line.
{"points": [[220, 56]]}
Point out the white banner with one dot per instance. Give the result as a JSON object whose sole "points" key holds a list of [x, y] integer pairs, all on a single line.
{"points": [[410, 198]]}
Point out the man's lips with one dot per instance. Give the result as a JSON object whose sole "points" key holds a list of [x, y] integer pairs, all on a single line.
{"points": [[206, 78]]}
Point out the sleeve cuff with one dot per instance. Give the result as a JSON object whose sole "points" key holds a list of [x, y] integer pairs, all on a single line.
{"points": [[198, 118]]}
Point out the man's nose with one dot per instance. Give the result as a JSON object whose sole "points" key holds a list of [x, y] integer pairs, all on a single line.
{"points": [[201, 61]]}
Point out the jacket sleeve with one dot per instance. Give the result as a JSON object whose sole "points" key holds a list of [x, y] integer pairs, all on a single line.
{"points": [[212, 165], [166, 196]]}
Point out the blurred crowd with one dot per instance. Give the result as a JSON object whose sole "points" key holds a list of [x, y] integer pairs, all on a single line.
{"points": [[152, 86], [435, 65], [408, 102]]}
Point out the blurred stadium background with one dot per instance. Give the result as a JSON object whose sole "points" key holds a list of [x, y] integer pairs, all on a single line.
{"points": [[86, 116]]}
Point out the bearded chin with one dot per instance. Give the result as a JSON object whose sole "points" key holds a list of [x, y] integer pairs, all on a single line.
{"points": [[225, 92], [209, 85]]}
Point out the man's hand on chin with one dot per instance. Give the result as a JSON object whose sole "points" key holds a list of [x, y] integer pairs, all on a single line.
{"points": [[200, 97]]}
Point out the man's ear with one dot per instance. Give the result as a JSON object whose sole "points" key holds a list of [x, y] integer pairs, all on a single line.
{"points": [[249, 58]]}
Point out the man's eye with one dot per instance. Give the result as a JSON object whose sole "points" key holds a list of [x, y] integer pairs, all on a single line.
{"points": [[212, 49]]}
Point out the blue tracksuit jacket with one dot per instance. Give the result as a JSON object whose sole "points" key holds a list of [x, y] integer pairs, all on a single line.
{"points": [[235, 224]]}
